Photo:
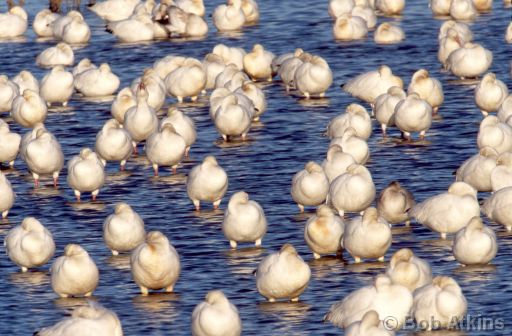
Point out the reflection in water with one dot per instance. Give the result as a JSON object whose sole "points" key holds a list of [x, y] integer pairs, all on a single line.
{"points": [[364, 267], [243, 260], [314, 102], [120, 261], [161, 306], [476, 273], [87, 204], [326, 266], [73, 302], [29, 279], [290, 312]]}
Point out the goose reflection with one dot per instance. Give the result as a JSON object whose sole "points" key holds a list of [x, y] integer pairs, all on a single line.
{"points": [[97, 205], [244, 260], [73, 302], [162, 306], [30, 280], [365, 267], [120, 262], [476, 273], [314, 102], [326, 266], [289, 313]]}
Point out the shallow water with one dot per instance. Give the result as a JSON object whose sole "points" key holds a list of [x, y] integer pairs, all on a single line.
{"points": [[289, 135]]}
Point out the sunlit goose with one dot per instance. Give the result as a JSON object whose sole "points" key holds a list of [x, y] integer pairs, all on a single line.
{"points": [[236, 81], [256, 95], [428, 88], [368, 86], [145, 7], [77, 31], [137, 28], [114, 10], [413, 114], [490, 93], [448, 44], [186, 81], [61, 54], [251, 11], [229, 17], [257, 63], [463, 10], [353, 191], [44, 156], [57, 86], [394, 202], [310, 186], [349, 27], [289, 66], [61, 22], [505, 110], [113, 143], [475, 244], [385, 104], [7, 196], [233, 55], [482, 5], [495, 134], [25, 80], [313, 77], [324, 231], [388, 33], [497, 207], [86, 173], [184, 24], [227, 75], [168, 64], [508, 33], [501, 175], [477, 170], [184, 126], [123, 230], [367, 14], [213, 65], [30, 244], [207, 182], [390, 7], [355, 116], [97, 82], [370, 325], [441, 302], [86, 320], [282, 275], [469, 61], [14, 23], [386, 298], [339, 7], [279, 59], [165, 148], [448, 212], [8, 91], [367, 236], [42, 23], [28, 109], [84, 65], [219, 95], [463, 30], [440, 7], [9, 144], [353, 145], [140, 120], [408, 270], [232, 118], [244, 220], [216, 316], [155, 264], [27, 137], [125, 100], [74, 273], [336, 162]]}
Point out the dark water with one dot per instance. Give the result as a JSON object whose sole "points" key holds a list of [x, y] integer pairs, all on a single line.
{"points": [[290, 134]]}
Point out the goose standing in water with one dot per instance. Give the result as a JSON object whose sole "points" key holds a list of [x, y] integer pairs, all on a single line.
{"points": [[394, 202], [113, 143], [184, 126], [349, 27], [29, 109], [257, 63], [229, 17], [497, 207], [477, 170], [14, 23], [469, 61], [207, 182], [8, 91], [86, 173], [313, 77], [310, 186], [408, 270], [388, 33], [490, 94], [9, 144], [61, 54], [501, 175], [97, 82], [26, 80], [7, 195], [324, 232], [124, 100], [42, 23], [413, 114], [123, 230], [427, 88], [475, 244], [165, 148], [356, 117], [385, 104], [216, 316], [336, 162], [57, 86], [370, 324]]}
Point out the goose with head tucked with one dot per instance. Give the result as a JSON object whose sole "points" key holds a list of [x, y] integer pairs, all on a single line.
{"points": [[86, 320], [353, 191], [495, 134], [448, 212], [384, 297], [323, 232], [348, 27], [390, 7], [497, 207], [366, 13], [183, 24], [289, 66], [394, 202], [219, 95], [213, 65], [76, 31], [14, 23], [257, 63], [475, 244], [57, 86], [232, 118], [440, 7], [44, 156], [505, 110], [482, 5], [184, 126], [8, 91], [463, 10], [27, 137], [234, 55], [84, 65], [29, 245], [490, 93], [42, 24], [251, 11], [207, 182], [113, 143], [29, 109], [353, 145], [448, 44], [74, 273], [370, 325], [368, 86], [428, 88], [155, 264], [408, 270], [388, 33], [114, 10], [477, 170], [462, 29], [313, 77], [283, 275], [61, 54], [186, 81], [227, 75], [385, 104], [501, 175], [25, 80], [86, 173], [123, 230], [7, 195], [413, 114], [61, 22], [9, 144], [229, 17], [339, 7], [137, 28], [165, 147], [140, 120], [244, 220], [355, 116], [97, 82], [256, 95], [469, 61], [336, 162], [367, 236], [191, 6], [310, 186], [441, 302], [124, 100], [216, 316], [167, 64]]}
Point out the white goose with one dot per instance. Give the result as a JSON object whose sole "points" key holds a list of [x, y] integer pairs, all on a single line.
{"points": [[440, 7], [490, 93], [26, 80], [394, 202], [7, 195], [61, 54], [339, 7], [213, 65], [390, 7], [114, 10], [309, 186], [207, 182], [14, 23], [286, 68], [123, 230], [408, 270], [165, 148], [184, 126], [313, 77], [448, 44], [155, 87], [475, 244], [9, 144], [251, 11], [427, 88], [349, 27], [186, 81], [191, 6], [216, 316], [84, 65], [477, 170], [355, 116], [42, 23], [370, 325], [29, 109], [324, 232], [368, 86], [183, 24], [463, 30], [57, 86], [256, 95], [495, 134], [385, 107], [336, 162], [140, 120], [229, 17], [232, 55], [8, 91], [388, 33], [97, 82], [367, 13], [413, 114], [469, 61], [501, 175], [463, 10], [113, 143], [353, 145], [257, 63], [232, 118], [86, 173], [137, 28], [124, 100], [497, 207]]}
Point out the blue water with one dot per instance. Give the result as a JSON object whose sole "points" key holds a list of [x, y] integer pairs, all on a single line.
{"points": [[289, 135]]}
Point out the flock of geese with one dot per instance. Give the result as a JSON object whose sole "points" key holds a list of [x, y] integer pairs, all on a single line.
{"points": [[341, 184]]}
